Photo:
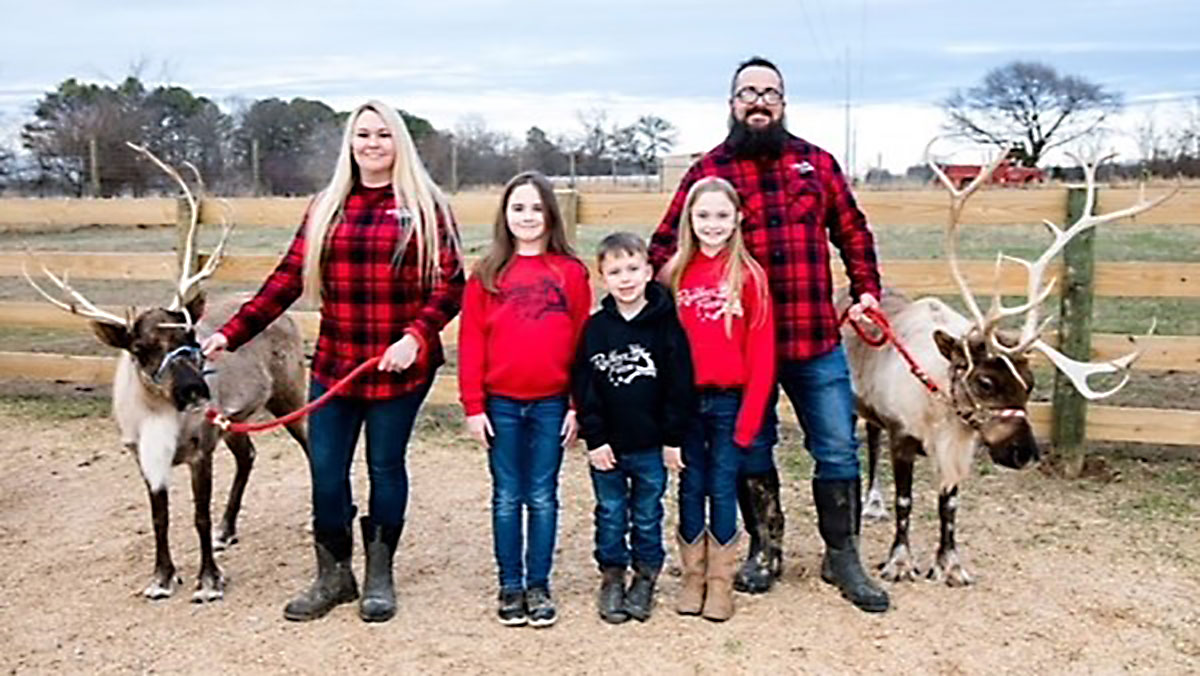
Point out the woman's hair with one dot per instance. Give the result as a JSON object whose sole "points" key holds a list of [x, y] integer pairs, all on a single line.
{"points": [[739, 263], [420, 204], [492, 265]]}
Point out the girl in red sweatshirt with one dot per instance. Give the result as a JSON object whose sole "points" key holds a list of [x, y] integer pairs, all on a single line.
{"points": [[721, 293], [523, 310]]}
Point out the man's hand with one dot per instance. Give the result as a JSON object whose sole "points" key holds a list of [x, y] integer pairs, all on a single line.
{"points": [[480, 427], [673, 458], [213, 344], [602, 458], [864, 301], [400, 354]]}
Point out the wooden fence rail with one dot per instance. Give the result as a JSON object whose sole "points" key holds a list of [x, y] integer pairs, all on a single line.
{"points": [[887, 208]]}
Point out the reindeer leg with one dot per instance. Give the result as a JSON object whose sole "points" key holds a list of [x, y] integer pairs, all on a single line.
{"points": [[285, 402], [947, 567], [873, 507], [210, 584], [900, 565], [243, 453], [165, 581]]}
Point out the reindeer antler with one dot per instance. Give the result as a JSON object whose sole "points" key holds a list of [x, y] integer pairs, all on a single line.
{"points": [[187, 280], [79, 306]]}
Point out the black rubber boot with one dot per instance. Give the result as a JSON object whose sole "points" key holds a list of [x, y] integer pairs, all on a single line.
{"points": [[838, 508], [378, 602], [611, 600], [335, 583], [639, 600], [762, 513]]}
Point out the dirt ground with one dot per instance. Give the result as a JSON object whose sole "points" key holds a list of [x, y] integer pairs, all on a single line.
{"points": [[1071, 576]]}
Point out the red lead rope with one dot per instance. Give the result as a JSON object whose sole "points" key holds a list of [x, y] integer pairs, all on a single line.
{"points": [[215, 417], [887, 335]]}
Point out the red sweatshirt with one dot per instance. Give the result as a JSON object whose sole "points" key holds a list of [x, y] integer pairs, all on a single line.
{"points": [[744, 359], [520, 342]]}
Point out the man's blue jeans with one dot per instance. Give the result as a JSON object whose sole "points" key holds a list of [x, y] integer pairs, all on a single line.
{"points": [[524, 458], [820, 391], [629, 501], [333, 433], [711, 462]]}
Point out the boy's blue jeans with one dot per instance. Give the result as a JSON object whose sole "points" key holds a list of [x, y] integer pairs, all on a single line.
{"points": [[524, 459], [711, 462], [629, 501], [333, 433]]}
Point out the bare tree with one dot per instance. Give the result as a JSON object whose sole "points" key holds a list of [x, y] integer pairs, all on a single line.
{"points": [[1032, 102]]}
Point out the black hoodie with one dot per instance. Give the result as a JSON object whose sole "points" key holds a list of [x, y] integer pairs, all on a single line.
{"points": [[632, 379]]}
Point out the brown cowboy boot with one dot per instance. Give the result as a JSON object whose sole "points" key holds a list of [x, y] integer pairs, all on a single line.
{"points": [[722, 563], [693, 555]]}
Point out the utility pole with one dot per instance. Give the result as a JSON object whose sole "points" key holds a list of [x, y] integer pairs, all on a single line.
{"points": [[848, 168], [572, 156], [255, 175], [94, 166], [453, 165]]}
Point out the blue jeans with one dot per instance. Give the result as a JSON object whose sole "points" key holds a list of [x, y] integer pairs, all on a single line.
{"points": [[711, 462], [820, 391], [333, 433], [629, 501], [524, 458], [760, 457]]}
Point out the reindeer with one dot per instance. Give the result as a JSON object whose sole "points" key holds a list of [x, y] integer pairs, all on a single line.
{"points": [[981, 381], [162, 389]]}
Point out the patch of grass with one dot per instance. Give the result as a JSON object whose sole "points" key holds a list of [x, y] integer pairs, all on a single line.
{"points": [[55, 407], [1154, 505]]}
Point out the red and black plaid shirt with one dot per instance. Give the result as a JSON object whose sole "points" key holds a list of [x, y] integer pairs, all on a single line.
{"points": [[368, 301], [793, 207]]}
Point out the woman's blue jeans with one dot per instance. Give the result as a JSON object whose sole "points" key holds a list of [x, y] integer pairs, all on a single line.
{"points": [[333, 433], [711, 462], [525, 456]]}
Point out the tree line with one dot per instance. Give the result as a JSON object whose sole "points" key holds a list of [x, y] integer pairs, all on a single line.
{"points": [[75, 144]]}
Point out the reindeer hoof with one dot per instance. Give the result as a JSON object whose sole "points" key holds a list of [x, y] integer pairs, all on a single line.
{"points": [[222, 541], [874, 509], [162, 588], [949, 569], [209, 589], [900, 567]]}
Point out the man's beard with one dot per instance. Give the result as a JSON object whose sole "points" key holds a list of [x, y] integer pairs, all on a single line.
{"points": [[747, 141]]}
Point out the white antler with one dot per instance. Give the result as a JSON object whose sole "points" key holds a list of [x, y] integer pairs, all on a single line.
{"points": [[958, 200], [188, 280], [79, 305]]}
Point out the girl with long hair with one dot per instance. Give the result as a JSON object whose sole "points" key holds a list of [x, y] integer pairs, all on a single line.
{"points": [[721, 293], [379, 250], [523, 310]]}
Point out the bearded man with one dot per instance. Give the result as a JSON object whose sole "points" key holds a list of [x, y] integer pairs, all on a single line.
{"points": [[795, 202]]}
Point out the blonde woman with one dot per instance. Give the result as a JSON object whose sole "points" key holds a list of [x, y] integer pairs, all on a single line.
{"points": [[721, 293], [379, 248]]}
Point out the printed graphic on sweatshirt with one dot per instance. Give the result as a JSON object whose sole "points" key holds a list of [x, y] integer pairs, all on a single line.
{"points": [[708, 302], [625, 366], [535, 300]]}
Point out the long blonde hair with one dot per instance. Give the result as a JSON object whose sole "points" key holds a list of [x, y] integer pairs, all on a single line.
{"points": [[739, 262], [411, 185], [490, 268]]}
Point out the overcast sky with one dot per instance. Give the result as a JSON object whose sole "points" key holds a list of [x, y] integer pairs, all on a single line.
{"points": [[537, 63]]}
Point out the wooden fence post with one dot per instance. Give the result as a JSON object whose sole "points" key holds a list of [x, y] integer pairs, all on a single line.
{"points": [[1075, 340], [568, 204]]}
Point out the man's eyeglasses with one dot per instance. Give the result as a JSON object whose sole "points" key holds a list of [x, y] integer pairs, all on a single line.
{"points": [[770, 96]]}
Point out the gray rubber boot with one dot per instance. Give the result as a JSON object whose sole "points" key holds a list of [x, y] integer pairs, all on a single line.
{"points": [[378, 603], [335, 583], [838, 510]]}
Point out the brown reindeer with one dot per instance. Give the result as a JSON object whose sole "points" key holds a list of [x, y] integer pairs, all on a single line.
{"points": [[982, 376], [162, 388]]}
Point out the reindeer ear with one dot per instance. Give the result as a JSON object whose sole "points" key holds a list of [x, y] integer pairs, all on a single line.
{"points": [[195, 306], [113, 335], [948, 345]]}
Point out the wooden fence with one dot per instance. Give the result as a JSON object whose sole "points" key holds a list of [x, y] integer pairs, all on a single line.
{"points": [[609, 211]]}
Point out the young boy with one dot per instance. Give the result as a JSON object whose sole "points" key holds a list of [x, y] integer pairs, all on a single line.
{"points": [[633, 391]]}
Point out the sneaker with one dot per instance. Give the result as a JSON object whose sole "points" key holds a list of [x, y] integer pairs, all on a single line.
{"points": [[511, 611], [540, 607]]}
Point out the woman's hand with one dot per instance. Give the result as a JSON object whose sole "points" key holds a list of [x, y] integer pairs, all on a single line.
{"points": [[570, 429], [213, 344], [865, 302], [480, 427], [400, 354]]}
